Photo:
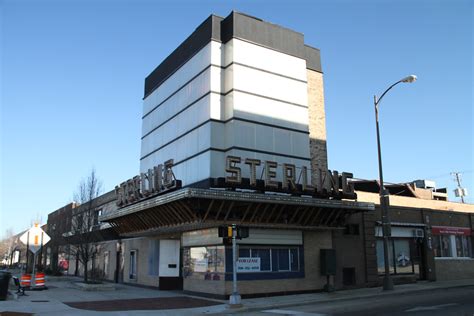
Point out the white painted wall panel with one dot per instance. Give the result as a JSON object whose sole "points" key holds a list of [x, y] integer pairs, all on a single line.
{"points": [[228, 56], [197, 63], [204, 136], [269, 111], [217, 107], [228, 83], [219, 135], [264, 141], [269, 85], [197, 114], [217, 78], [217, 53], [282, 141], [267, 59], [259, 137], [228, 105], [182, 148], [169, 258], [189, 94], [218, 164]]}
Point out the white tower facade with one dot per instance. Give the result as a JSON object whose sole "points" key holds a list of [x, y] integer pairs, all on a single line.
{"points": [[235, 87]]}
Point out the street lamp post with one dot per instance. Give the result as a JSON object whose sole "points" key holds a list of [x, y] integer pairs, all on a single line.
{"points": [[384, 200]]}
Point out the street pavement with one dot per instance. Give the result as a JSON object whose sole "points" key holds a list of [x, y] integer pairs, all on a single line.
{"points": [[132, 300], [438, 302]]}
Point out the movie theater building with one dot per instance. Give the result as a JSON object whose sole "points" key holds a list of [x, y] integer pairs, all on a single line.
{"points": [[233, 132]]}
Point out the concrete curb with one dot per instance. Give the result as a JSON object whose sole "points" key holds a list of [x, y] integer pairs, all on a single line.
{"points": [[340, 299]]}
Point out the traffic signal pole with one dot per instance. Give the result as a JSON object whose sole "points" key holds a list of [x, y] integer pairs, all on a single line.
{"points": [[234, 299]]}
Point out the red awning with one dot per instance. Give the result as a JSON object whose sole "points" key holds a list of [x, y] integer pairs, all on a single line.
{"points": [[446, 230]]}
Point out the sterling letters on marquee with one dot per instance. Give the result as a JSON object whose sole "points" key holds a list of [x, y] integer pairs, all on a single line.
{"points": [[156, 180], [161, 178], [327, 183]]}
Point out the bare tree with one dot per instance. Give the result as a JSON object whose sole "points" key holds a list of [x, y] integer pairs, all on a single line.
{"points": [[84, 221], [7, 246]]}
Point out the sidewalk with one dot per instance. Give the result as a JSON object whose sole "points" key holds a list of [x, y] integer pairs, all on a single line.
{"points": [[63, 298], [304, 299]]}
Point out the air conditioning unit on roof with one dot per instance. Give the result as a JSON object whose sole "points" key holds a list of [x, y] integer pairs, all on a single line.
{"points": [[425, 184]]}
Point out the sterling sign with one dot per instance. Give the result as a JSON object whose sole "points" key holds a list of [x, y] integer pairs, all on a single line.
{"points": [[327, 184], [156, 180]]}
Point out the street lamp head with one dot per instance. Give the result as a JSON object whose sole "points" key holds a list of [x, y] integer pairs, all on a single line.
{"points": [[409, 79]]}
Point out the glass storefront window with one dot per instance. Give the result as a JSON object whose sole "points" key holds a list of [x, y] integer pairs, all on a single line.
{"points": [[294, 259], [380, 257], [264, 255], [285, 259], [403, 259], [459, 249], [404, 256], [205, 263], [445, 243], [244, 252], [442, 246], [467, 246], [463, 246], [436, 246]]}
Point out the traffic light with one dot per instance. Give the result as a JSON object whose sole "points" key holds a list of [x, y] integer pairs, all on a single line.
{"points": [[226, 232], [242, 232]]}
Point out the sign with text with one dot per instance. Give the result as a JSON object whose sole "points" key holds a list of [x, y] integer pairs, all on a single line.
{"points": [[294, 179], [445, 230], [156, 180], [245, 264], [200, 265]]}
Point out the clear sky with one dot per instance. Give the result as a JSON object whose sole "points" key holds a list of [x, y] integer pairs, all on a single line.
{"points": [[72, 78]]}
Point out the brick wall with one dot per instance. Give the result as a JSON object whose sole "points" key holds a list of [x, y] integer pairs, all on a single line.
{"points": [[141, 245], [351, 252], [317, 121], [454, 269]]}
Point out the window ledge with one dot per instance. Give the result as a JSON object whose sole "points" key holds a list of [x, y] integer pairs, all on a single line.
{"points": [[453, 258]]}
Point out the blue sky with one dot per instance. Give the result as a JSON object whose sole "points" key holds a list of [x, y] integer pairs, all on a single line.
{"points": [[72, 77]]}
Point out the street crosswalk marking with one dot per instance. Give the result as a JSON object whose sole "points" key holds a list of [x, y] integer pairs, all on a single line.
{"points": [[429, 308], [289, 312]]}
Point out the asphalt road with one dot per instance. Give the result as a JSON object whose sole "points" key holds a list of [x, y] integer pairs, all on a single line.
{"points": [[455, 301]]}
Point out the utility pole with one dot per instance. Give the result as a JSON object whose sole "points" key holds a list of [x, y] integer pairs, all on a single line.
{"points": [[460, 191]]}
